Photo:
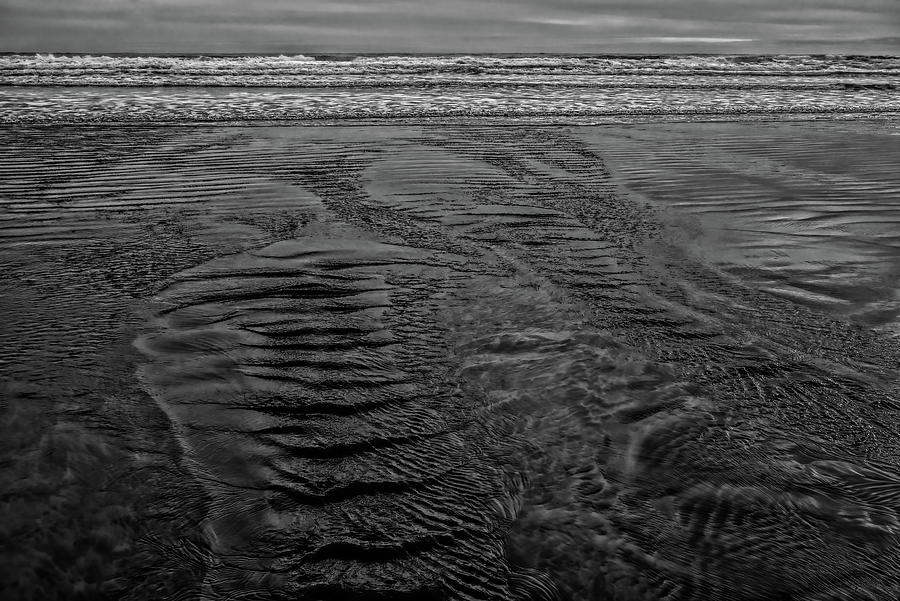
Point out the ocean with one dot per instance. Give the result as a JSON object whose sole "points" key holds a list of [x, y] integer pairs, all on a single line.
{"points": [[564, 89]]}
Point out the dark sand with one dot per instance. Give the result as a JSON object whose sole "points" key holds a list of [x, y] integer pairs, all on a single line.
{"points": [[638, 362]]}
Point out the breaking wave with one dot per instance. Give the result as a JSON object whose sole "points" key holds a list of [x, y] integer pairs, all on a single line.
{"points": [[53, 89]]}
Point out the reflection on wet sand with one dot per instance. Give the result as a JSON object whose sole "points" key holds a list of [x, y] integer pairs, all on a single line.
{"points": [[453, 363]]}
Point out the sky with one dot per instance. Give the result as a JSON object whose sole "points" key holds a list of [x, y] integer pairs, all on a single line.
{"points": [[452, 26]]}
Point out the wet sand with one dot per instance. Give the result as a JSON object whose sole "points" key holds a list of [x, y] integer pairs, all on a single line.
{"points": [[634, 362]]}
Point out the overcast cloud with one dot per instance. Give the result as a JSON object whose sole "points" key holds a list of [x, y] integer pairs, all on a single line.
{"points": [[577, 26]]}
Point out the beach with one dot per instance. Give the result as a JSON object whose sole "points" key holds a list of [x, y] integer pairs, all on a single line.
{"points": [[626, 361]]}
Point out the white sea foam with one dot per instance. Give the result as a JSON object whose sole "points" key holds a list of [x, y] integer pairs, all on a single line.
{"points": [[302, 70]]}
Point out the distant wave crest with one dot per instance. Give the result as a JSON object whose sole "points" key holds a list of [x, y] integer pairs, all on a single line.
{"points": [[336, 70]]}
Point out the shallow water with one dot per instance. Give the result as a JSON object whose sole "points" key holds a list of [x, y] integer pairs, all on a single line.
{"points": [[626, 362], [616, 102]]}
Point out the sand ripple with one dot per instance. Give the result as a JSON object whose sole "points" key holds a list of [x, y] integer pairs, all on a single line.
{"points": [[459, 363]]}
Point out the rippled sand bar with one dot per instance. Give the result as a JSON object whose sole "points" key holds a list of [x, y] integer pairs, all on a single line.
{"points": [[631, 362]]}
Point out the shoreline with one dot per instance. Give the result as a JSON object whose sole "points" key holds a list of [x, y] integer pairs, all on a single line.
{"points": [[889, 116]]}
